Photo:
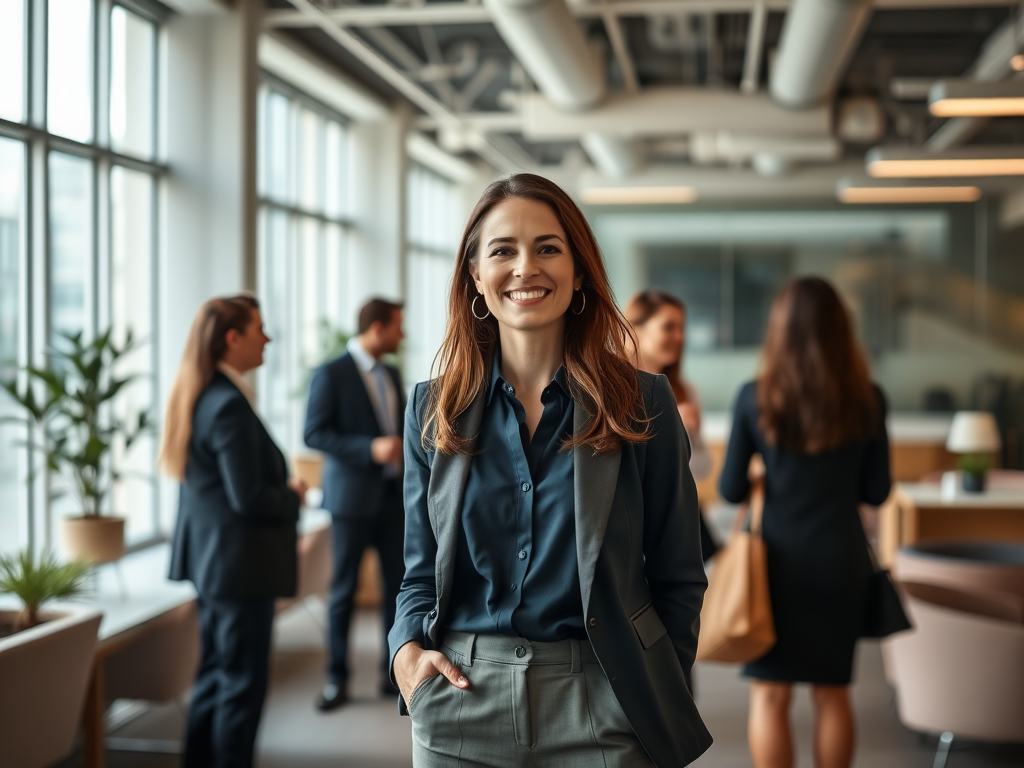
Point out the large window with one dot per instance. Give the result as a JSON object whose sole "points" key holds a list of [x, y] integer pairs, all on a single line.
{"points": [[433, 228], [304, 273], [78, 253]]}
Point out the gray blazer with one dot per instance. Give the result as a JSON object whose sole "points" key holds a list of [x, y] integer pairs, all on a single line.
{"points": [[641, 572]]}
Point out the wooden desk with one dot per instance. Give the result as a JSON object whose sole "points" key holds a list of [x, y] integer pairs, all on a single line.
{"points": [[917, 511]]}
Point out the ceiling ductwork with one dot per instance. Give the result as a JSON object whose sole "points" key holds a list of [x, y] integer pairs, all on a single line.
{"points": [[547, 41], [818, 39], [708, 147]]}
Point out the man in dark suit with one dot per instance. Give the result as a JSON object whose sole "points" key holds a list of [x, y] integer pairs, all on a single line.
{"points": [[355, 417]]}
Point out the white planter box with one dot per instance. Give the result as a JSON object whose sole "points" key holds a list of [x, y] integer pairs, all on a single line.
{"points": [[44, 673]]}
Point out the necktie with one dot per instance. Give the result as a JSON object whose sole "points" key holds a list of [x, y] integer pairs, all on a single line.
{"points": [[387, 426]]}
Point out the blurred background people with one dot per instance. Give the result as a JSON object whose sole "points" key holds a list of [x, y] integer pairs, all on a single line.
{"points": [[235, 538], [659, 323], [355, 417], [818, 421]]}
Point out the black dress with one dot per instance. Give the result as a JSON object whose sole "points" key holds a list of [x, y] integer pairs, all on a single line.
{"points": [[818, 562]]}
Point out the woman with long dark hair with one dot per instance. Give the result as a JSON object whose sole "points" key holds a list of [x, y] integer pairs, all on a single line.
{"points": [[553, 583], [235, 537], [819, 424], [659, 324]]}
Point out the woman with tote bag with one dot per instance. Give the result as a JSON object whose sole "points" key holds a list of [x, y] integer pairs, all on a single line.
{"points": [[819, 424]]}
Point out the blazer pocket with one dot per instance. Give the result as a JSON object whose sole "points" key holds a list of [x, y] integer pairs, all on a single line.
{"points": [[648, 626]]}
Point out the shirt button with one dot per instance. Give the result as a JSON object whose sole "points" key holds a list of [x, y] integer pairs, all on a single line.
{"points": [[526, 487], [592, 622], [520, 651], [432, 615], [513, 587], [510, 389], [522, 554]]}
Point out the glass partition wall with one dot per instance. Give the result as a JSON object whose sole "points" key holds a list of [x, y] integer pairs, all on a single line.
{"points": [[78, 226]]}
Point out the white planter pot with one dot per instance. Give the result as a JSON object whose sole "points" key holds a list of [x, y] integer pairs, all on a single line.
{"points": [[45, 672], [93, 539]]}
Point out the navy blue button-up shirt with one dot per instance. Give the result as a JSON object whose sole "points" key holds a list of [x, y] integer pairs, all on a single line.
{"points": [[516, 569]]}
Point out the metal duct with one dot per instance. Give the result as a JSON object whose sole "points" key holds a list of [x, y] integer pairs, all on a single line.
{"points": [[546, 39], [818, 38]]}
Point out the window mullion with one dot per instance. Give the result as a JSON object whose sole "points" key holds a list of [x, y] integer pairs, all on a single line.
{"points": [[101, 73], [37, 13]]}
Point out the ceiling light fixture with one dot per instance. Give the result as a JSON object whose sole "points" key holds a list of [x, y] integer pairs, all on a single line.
{"points": [[639, 195], [1017, 62], [848, 192], [916, 164], [971, 98]]}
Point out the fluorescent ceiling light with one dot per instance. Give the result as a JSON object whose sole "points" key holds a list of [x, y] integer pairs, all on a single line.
{"points": [[850, 192], [970, 98], [639, 195], [973, 161]]}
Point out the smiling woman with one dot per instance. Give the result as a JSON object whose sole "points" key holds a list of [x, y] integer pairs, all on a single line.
{"points": [[551, 519], [527, 233]]}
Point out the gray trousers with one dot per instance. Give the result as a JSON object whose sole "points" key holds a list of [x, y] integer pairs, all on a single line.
{"points": [[528, 704]]}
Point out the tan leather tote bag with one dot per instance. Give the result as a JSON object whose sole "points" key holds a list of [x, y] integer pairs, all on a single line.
{"points": [[736, 620]]}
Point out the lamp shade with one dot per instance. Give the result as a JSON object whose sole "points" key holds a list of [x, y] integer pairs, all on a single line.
{"points": [[973, 432]]}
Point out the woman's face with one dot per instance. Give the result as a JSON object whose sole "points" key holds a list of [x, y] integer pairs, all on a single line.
{"points": [[662, 337], [524, 268], [246, 348]]}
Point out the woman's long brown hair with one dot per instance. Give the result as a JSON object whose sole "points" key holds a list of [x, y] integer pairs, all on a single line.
{"points": [[205, 346], [601, 378], [641, 308], [815, 392]]}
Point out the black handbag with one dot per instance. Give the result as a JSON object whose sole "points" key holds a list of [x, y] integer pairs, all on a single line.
{"points": [[883, 610]]}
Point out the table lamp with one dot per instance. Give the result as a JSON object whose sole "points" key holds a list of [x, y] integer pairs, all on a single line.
{"points": [[973, 434]]}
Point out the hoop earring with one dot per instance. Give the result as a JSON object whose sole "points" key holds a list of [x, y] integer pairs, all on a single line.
{"points": [[472, 308], [584, 303]]}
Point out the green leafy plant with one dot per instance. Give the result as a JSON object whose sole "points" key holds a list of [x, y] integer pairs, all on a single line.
{"points": [[74, 418], [974, 464], [36, 581]]}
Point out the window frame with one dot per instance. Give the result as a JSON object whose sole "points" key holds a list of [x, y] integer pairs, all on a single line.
{"points": [[36, 247], [293, 217]]}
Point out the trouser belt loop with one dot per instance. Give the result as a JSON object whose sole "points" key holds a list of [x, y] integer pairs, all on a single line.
{"points": [[470, 648], [577, 667]]}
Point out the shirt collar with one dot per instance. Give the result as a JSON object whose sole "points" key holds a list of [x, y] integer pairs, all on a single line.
{"points": [[236, 378], [364, 360], [498, 382]]}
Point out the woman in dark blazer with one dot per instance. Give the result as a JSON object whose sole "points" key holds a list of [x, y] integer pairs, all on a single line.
{"points": [[235, 538], [553, 586], [819, 424]]}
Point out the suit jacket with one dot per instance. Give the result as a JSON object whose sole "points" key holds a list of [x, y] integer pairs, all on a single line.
{"points": [[641, 573], [235, 535], [341, 422]]}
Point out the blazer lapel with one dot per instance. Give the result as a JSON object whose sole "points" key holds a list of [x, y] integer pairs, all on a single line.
{"points": [[448, 478], [594, 482]]}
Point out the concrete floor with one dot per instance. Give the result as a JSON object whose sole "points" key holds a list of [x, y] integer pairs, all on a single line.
{"points": [[368, 733]]}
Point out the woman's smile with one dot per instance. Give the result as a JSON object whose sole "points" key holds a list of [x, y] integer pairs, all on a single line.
{"points": [[527, 297]]}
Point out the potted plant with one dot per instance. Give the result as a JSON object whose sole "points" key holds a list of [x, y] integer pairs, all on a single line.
{"points": [[76, 429], [34, 583], [45, 659], [974, 467]]}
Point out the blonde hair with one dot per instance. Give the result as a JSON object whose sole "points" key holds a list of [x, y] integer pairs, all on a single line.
{"points": [[205, 346]]}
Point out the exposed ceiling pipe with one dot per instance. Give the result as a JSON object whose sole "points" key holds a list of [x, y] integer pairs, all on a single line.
{"points": [[549, 45], [993, 64], [818, 38]]}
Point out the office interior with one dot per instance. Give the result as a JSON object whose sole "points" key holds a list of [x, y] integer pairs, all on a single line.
{"points": [[322, 152]]}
